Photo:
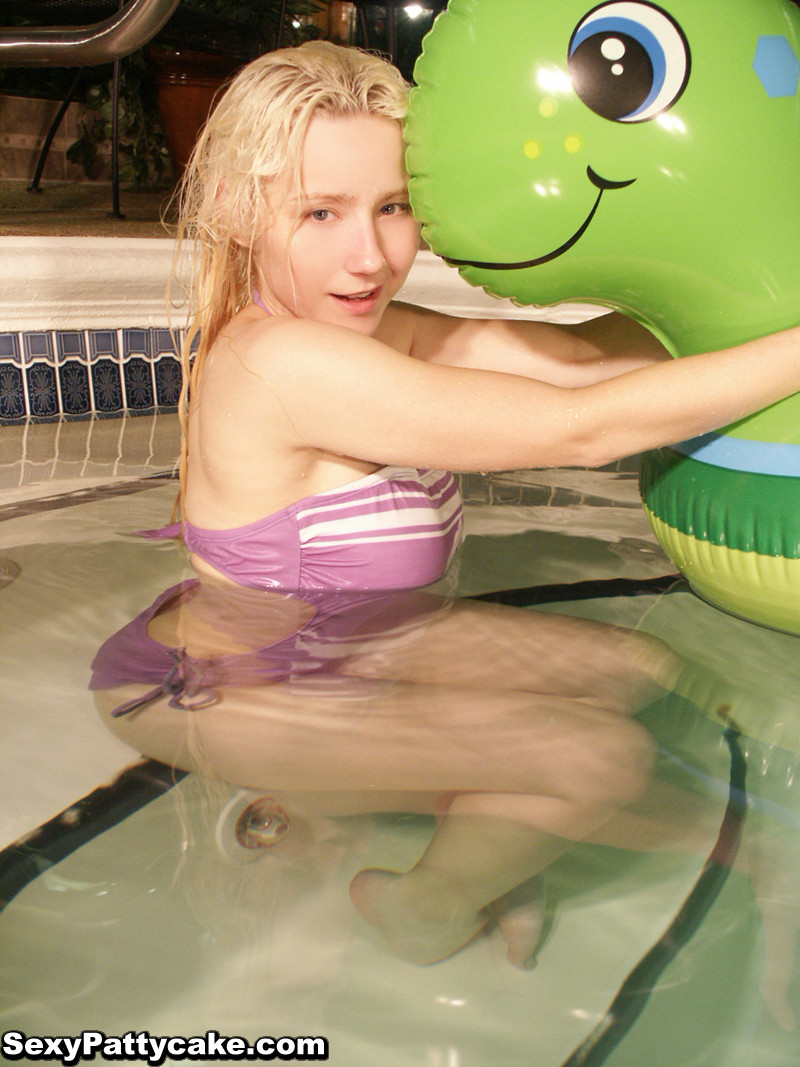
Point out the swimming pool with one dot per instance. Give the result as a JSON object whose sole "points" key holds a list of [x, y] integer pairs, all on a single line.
{"points": [[137, 909]]}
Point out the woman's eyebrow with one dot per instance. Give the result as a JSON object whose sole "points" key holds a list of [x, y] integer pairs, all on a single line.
{"points": [[330, 198], [347, 198]]}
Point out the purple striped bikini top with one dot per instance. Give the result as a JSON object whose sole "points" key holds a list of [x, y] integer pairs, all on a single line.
{"points": [[397, 528]]}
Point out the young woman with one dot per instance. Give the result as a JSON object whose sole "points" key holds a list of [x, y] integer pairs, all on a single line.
{"points": [[323, 420]]}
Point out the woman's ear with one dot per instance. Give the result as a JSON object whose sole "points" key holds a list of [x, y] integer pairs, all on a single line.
{"points": [[241, 233], [247, 225]]}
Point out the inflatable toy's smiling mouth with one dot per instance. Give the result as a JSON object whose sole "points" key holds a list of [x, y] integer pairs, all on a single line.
{"points": [[600, 183]]}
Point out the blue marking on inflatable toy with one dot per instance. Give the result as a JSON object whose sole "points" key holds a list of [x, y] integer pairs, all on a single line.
{"points": [[777, 66], [737, 454]]}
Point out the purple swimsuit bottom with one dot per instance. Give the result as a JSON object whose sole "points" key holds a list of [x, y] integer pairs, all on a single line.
{"points": [[343, 626], [354, 553]]}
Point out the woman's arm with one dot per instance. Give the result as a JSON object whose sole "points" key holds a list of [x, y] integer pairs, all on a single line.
{"points": [[351, 395], [566, 355]]}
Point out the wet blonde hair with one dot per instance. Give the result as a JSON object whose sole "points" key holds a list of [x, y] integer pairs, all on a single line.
{"points": [[252, 143]]}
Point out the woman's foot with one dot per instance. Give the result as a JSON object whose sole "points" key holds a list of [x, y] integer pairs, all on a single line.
{"points": [[422, 915], [524, 921]]}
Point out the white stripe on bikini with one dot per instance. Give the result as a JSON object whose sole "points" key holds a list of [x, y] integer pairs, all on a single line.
{"points": [[382, 521], [375, 498], [398, 535]]}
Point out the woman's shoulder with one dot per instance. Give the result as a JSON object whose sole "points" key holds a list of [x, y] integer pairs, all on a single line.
{"points": [[261, 342]]}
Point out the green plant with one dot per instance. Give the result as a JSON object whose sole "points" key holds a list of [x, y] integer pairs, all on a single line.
{"points": [[143, 156]]}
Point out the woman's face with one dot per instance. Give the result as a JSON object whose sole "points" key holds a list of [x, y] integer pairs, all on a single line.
{"points": [[340, 247]]}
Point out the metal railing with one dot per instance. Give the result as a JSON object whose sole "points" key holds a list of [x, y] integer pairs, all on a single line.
{"points": [[81, 46]]}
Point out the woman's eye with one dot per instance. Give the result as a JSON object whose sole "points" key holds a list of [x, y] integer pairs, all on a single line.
{"points": [[628, 61], [395, 209], [320, 214]]}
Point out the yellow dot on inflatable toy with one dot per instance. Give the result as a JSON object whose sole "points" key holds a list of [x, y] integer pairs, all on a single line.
{"points": [[548, 107], [573, 144], [532, 149]]}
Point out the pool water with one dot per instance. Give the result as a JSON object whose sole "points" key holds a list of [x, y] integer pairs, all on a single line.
{"points": [[131, 905]]}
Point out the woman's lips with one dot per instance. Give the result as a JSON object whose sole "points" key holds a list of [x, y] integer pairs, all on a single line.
{"points": [[359, 303]]}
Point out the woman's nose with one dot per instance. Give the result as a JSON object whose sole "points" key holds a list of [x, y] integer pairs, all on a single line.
{"points": [[366, 251]]}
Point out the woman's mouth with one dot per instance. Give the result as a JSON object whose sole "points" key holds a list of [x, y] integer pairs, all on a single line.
{"points": [[359, 303]]}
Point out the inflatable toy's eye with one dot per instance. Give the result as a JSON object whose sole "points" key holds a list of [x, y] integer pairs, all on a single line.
{"points": [[628, 61]]}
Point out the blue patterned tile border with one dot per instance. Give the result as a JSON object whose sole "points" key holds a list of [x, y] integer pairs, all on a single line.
{"points": [[42, 390], [47, 375], [12, 394], [137, 380]]}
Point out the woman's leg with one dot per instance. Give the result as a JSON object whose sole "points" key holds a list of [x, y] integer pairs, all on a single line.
{"points": [[483, 860], [523, 716], [529, 776], [489, 646]]}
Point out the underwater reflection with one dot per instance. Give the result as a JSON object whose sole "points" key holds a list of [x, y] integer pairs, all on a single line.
{"points": [[522, 732]]}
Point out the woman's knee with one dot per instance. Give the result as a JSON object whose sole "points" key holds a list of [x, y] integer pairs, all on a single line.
{"points": [[615, 764]]}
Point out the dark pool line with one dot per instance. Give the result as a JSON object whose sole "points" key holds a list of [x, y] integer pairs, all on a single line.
{"points": [[635, 991], [588, 590], [782, 764], [103, 808], [83, 496]]}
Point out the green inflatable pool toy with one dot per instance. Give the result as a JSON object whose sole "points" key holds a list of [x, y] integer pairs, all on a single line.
{"points": [[645, 158]]}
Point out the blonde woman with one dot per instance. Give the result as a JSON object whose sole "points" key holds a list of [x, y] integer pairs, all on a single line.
{"points": [[323, 422]]}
